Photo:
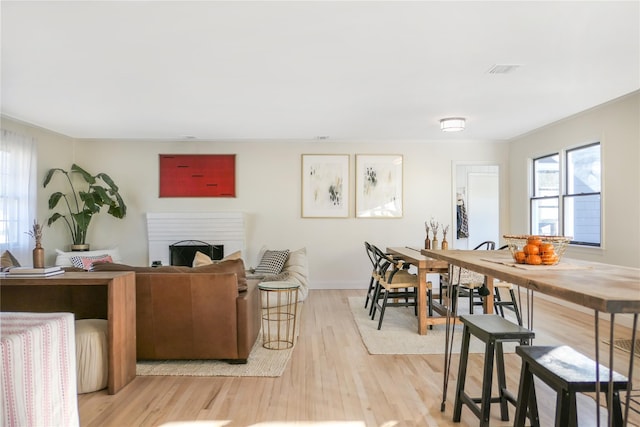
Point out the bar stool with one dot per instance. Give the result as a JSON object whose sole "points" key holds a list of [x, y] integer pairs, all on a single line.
{"points": [[493, 331], [567, 372]]}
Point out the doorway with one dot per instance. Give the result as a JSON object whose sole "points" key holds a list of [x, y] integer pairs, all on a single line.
{"points": [[476, 203]]}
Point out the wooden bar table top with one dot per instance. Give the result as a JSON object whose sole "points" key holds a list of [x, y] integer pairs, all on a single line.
{"points": [[101, 295], [425, 266], [602, 287]]}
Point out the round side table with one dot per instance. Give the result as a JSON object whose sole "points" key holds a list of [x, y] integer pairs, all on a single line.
{"points": [[280, 304]]}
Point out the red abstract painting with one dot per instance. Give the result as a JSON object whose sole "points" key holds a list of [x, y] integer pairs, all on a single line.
{"points": [[197, 175]]}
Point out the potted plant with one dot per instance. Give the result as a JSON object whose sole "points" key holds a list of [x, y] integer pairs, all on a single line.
{"points": [[81, 204]]}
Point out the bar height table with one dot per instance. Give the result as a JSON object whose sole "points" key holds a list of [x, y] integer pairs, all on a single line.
{"points": [[606, 288]]}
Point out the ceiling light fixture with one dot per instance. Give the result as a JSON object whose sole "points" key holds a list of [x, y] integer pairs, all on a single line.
{"points": [[452, 124]]}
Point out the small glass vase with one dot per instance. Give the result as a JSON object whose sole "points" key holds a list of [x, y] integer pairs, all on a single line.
{"points": [[38, 256], [427, 242]]}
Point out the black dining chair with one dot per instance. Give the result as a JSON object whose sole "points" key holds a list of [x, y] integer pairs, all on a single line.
{"points": [[373, 279], [397, 287]]}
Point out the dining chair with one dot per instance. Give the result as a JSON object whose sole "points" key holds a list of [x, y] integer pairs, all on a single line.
{"points": [[378, 260], [500, 303], [373, 279], [466, 283], [397, 286]]}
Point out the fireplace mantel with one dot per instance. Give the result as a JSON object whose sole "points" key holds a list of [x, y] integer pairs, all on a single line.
{"points": [[216, 228]]}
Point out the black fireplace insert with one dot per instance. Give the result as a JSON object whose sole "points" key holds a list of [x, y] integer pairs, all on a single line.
{"points": [[183, 252]]}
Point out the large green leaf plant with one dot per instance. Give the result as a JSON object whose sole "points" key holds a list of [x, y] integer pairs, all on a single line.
{"points": [[81, 204]]}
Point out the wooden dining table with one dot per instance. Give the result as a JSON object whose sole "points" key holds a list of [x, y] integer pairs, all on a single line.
{"points": [[603, 288], [425, 265]]}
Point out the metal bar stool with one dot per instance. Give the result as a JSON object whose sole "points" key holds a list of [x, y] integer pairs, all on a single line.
{"points": [[493, 331]]}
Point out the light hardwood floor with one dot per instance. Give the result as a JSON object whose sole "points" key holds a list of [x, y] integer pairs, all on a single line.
{"points": [[331, 380]]}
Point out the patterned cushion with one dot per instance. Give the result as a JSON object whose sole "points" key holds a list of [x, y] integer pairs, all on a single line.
{"points": [[63, 259], [86, 262], [272, 262]]}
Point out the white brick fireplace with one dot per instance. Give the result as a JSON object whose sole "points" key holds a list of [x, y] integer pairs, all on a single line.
{"points": [[215, 228]]}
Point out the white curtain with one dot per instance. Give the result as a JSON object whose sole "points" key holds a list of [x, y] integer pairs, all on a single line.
{"points": [[18, 194]]}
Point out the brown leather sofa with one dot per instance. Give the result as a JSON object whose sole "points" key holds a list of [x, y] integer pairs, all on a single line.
{"points": [[210, 312]]}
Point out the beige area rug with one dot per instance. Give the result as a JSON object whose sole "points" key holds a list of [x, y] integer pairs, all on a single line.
{"points": [[399, 333], [261, 363], [625, 345]]}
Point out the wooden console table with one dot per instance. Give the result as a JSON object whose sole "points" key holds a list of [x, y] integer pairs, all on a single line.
{"points": [[95, 295]]}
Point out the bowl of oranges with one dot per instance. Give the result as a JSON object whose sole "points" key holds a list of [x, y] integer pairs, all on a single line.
{"points": [[537, 250]]}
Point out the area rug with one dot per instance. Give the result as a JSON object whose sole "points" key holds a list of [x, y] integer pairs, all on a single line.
{"points": [[399, 333], [261, 363], [625, 345]]}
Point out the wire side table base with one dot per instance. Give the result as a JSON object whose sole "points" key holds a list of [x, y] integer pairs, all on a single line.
{"points": [[279, 309]]}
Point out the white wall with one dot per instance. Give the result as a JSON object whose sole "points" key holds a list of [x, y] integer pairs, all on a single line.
{"points": [[616, 125], [268, 191]]}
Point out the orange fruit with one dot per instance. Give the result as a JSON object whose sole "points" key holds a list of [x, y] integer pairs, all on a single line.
{"points": [[520, 257], [549, 259], [531, 249], [534, 259], [534, 240], [547, 248]]}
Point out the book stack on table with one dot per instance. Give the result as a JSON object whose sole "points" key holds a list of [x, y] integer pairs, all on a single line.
{"points": [[34, 272]]}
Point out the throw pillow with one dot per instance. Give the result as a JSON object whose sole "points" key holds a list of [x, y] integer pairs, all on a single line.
{"points": [[7, 260], [234, 255], [201, 259], [272, 262], [63, 259], [86, 262], [298, 270]]}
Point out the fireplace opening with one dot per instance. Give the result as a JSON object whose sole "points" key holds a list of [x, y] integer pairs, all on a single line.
{"points": [[183, 252]]}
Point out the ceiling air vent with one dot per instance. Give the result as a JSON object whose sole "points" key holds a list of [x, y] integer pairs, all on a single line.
{"points": [[503, 68]]}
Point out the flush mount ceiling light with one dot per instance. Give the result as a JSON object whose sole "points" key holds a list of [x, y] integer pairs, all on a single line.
{"points": [[452, 124]]}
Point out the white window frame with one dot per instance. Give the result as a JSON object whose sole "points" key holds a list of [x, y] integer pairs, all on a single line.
{"points": [[563, 195]]}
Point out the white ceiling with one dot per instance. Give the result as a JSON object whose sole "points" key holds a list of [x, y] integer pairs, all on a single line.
{"points": [[360, 70]]}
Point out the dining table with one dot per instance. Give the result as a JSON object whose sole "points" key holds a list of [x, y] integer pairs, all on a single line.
{"points": [[604, 288], [425, 265]]}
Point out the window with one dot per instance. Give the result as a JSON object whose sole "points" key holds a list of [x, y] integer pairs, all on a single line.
{"points": [[574, 199], [17, 194], [581, 205], [546, 193]]}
